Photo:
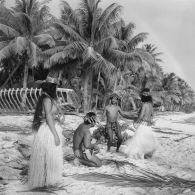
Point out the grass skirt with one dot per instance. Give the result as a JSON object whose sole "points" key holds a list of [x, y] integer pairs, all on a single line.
{"points": [[143, 143], [46, 162]]}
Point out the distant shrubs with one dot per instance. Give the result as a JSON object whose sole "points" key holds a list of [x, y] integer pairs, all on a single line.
{"points": [[188, 108]]}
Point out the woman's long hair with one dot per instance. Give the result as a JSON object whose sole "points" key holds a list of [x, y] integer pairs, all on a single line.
{"points": [[147, 98], [48, 90]]}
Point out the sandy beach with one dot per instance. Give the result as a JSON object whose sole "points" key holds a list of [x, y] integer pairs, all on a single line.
{"points": [[175, 156]]}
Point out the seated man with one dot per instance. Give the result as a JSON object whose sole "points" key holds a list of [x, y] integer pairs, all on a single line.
{"points": [[83, 149]]}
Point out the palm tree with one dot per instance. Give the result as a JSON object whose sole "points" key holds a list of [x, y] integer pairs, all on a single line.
{"points": [[171, 93], [86, 34], [129, 45], [89, 35], [22, 32], [186, 93]]}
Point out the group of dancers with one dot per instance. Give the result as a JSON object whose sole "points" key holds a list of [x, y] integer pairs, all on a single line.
{"points": [[46, 161]]}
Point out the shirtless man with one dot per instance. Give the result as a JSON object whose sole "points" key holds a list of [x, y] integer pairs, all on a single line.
{"points": [[83, 149], [112, 124]]}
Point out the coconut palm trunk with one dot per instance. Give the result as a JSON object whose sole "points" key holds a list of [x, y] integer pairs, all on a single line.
{"points": [[25, 80], [96, 98], [133, 103], [10, 76], [86, 99]]}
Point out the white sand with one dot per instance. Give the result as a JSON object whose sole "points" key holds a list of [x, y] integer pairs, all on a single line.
{"points": [[173, 157]]}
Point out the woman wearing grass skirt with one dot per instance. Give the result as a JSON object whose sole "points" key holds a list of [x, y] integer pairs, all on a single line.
{"points": [[46, 162], [143, 144]]}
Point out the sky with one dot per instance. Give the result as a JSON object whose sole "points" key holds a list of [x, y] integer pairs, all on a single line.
{"points": [[170, 24]]}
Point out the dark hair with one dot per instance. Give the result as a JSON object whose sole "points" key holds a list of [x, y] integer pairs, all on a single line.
{"points": [[89, 118], [147, 98], [48, 90], [118, 100], [145, 90]]}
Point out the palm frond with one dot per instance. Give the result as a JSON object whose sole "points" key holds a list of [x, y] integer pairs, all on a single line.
{"points": [[3, 44], [172, 97], [30, 6], [71, 51], [67, 30], [6, 13], [146, 56], [47, 189], [7, 52], [128, 31], [44, 39], [110, 15], [40, 23], [8, 31], [21, 6], [89, 54], [25, 23], [146, 179], [54, 50], [107, 43], [102, 65], [118, 163], [132, 43], [157, 54], [20, 45], [159, 60], [123, 57], [9, 18], [69, 15], [54, 33]]}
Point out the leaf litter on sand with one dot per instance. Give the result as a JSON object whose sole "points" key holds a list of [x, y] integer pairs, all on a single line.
{"points": [[118, 163], [142, 178], [139, 178], [147, 179], [47, 189]]}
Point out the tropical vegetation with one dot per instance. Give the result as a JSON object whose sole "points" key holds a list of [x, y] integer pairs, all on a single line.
{"points": [[95, 51]]}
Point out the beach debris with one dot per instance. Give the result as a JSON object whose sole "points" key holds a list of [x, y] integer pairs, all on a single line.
{"points": [[47, 189], [146, 179], [177, 140]]}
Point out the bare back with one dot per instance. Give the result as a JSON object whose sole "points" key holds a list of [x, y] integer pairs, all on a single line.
{"points": [[112, 113], [81, 137], [146, 113], [78, 137]]}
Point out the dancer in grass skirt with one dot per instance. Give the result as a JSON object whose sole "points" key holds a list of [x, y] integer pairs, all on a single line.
{"points": [[46, 161], [143, 144]]}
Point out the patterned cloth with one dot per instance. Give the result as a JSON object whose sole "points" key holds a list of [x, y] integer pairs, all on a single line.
{"points": [[114, 126]]}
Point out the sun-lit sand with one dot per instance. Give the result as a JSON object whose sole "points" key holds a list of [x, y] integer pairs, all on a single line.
{"points": [[175, 156]]}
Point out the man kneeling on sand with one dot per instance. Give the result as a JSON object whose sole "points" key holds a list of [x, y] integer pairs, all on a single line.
{"points": [[83, 149]]}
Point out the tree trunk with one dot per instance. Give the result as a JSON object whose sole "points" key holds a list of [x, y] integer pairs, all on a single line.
{"points": [[10, 76], [96, 98], [85, 93], [133, 103], [116, 80], [25, 76]]}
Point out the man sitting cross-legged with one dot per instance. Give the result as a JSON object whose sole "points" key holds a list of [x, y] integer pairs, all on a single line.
{"points": [[83, 149]]}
